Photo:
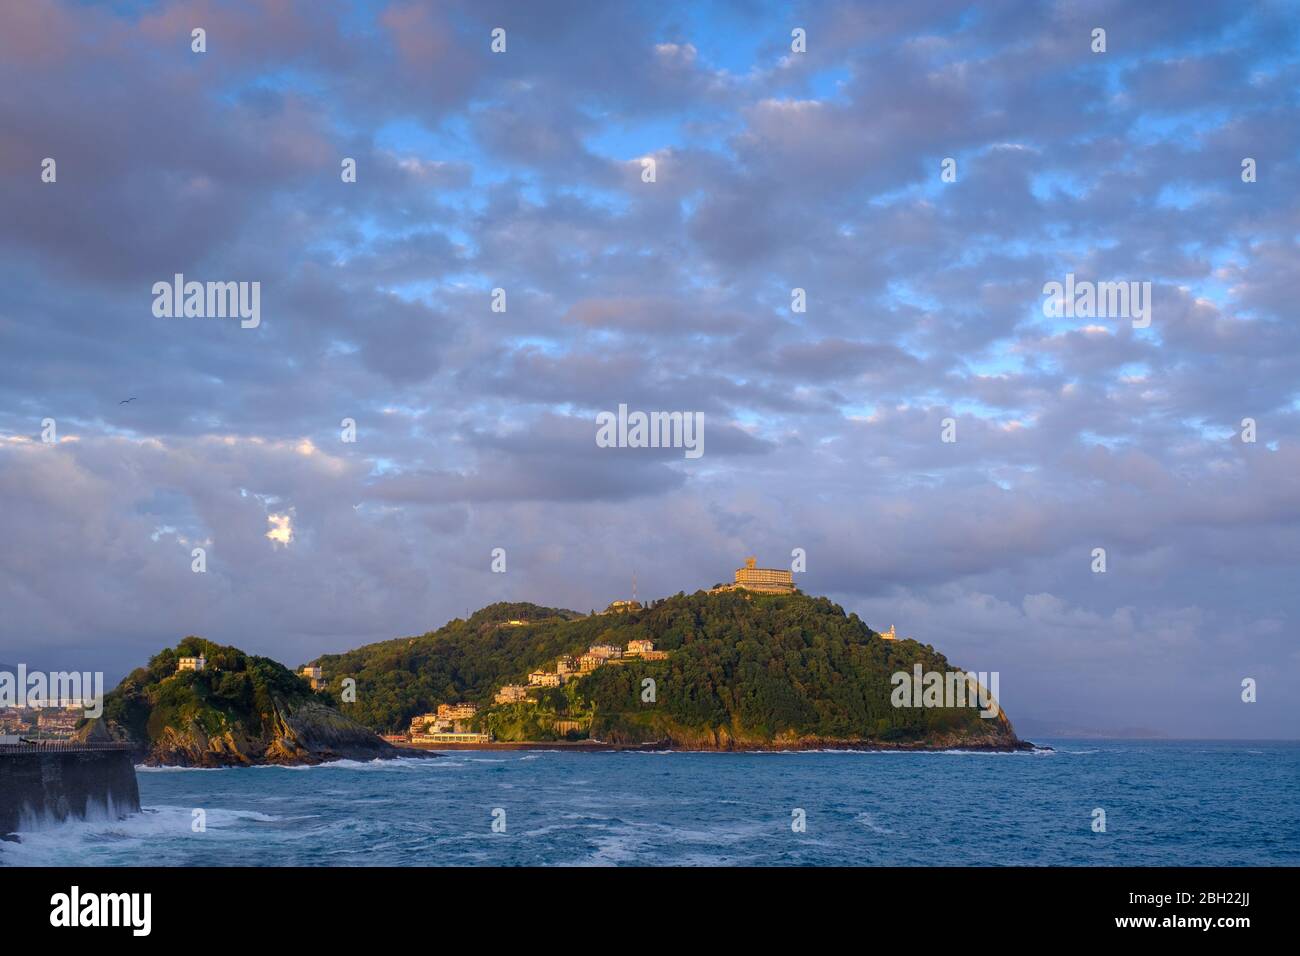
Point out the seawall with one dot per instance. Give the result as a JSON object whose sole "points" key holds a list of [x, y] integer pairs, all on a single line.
{"points": [[39, 785]]}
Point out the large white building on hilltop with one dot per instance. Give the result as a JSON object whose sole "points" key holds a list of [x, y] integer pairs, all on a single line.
{"points": [[766, 580]]}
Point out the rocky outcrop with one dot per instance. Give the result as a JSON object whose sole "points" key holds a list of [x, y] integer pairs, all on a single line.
{"points": [[235, 710], [302, 733]]}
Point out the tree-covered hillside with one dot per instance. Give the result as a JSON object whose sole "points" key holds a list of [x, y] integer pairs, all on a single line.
{"points": [[463, 660], [743, 668], [239, 710], [234, 688]]}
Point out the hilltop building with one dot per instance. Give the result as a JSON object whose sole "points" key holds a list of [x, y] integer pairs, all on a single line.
{"points": [[764, 580], [191, 663], [772, 580], [544, 679], [889, 635], [624, 606], [314, 675]]}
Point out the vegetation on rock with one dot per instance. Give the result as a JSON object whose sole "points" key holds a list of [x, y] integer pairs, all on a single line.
{"points": [[239, 709]]}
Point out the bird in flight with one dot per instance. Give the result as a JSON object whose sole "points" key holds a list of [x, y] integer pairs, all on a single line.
{"points": [[125, 400]]}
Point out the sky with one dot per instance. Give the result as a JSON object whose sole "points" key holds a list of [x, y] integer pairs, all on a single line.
{"points": [[525, 170]]}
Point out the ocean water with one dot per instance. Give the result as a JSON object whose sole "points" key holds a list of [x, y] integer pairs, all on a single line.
{"points": [[1166, 803]]}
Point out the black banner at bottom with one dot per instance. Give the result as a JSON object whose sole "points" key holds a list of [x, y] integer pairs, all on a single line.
{"points": [[337, 905]]}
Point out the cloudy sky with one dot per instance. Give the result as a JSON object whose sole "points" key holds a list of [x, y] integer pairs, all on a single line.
{"points": [[774, 170]]}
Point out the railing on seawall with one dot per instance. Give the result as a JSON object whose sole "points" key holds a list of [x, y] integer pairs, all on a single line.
{"points": [[61, 747]]}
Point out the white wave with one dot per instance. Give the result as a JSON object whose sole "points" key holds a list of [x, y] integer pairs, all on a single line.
{"points": [[170, 768], [132, 839], [395, 763], [95, 812], [868, 821], [375, 764]]}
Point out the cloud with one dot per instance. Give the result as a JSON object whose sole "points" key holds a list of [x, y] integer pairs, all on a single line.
{"points": [[281, 528]]}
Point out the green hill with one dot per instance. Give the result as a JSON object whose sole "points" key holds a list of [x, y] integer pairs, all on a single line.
{"points": [[240, 709], [744, 670]]}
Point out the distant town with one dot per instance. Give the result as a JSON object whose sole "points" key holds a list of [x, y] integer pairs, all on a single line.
{"points": [[53, 721]]}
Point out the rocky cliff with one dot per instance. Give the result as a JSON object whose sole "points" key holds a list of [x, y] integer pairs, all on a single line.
{"points": [[307, 733]]}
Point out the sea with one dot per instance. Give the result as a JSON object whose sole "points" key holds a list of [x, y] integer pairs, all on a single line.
{"points": [[1081, 803]]}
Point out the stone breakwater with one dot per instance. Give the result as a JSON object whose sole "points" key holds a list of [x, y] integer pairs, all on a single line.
{"points": [[40, 786]]}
